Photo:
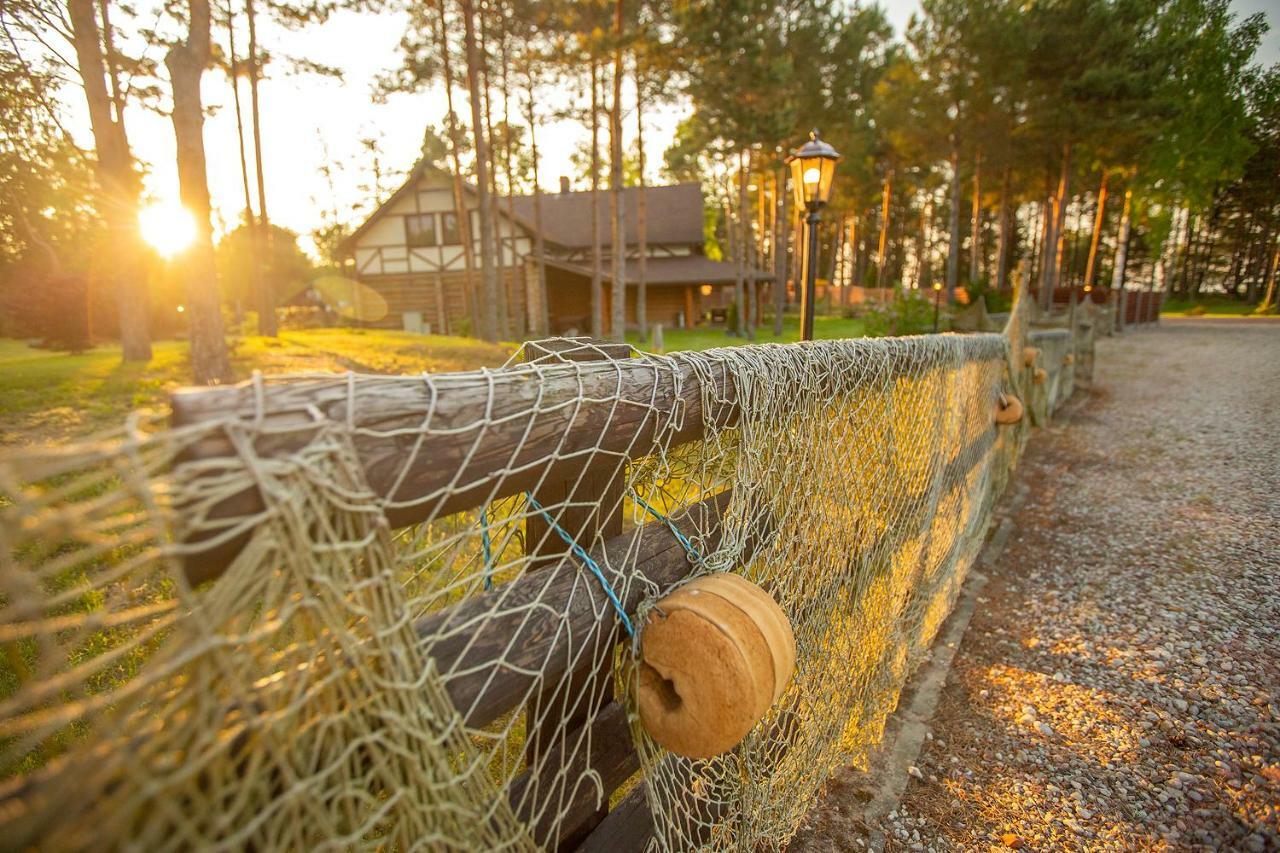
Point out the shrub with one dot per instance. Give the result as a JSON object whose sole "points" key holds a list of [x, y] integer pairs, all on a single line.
{"points": [[998, 301], [908, 314]]}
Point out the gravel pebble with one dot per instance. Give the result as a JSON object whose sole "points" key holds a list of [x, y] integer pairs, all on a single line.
{"points": [[1120, 688], [1134, 616]]}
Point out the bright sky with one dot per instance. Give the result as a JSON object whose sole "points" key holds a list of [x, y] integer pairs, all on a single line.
{"points": [[309, 120]]}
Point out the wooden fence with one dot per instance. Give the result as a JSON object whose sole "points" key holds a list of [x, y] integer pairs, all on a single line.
{"points": [[570, 456]]}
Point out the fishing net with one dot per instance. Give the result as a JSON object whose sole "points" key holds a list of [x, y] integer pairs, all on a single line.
{"points": [[366, 612]]}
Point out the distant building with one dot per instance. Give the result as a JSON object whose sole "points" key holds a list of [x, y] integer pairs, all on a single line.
{"points": [[410, 251]]}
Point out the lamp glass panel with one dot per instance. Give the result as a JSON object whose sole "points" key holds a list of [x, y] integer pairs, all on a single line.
{"points": [[825, 179], [797, 182]]}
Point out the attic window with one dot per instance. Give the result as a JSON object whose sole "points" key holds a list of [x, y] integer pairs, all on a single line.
{"points": [[420, 230]]}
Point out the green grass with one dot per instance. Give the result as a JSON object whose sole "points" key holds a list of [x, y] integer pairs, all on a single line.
{"points": [[1213, 306], [48, 396], [677, 340], [51, 396]]}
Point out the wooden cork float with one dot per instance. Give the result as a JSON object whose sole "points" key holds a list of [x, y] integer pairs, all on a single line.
{"points": [[716, 654], [1008, 409]]}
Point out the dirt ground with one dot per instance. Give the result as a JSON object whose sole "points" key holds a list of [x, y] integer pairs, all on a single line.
{"points": [[1119, 684]]}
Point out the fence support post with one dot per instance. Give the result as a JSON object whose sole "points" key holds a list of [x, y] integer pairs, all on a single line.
{"points": [[589, 509]]}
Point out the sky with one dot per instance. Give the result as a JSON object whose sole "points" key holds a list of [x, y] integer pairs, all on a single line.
{"points": [[309, 121]]}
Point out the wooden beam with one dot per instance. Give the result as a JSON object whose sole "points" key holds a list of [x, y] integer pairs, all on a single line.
{"points": [[494, 649], [601, 746], [431, 446], [436, 445], [588, 508], [628, 827]]}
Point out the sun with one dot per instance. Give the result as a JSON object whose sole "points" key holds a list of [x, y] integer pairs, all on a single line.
{"points": [[168, 228]]}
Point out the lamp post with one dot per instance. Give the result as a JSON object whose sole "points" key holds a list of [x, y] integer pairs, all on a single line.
{"points": [[937, 294], [812, 167]]}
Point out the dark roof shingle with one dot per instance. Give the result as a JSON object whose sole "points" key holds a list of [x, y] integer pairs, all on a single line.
{"points": [[674, 215]]}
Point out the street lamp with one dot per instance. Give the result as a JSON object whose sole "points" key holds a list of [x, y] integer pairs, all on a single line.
{"points": [[813, 165], [937, 294]]}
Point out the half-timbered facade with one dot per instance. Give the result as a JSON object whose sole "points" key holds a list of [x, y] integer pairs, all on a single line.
{"points": [[410, 251]]}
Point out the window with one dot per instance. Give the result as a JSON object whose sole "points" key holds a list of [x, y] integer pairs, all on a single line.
{"points": [[449, 229], [420, 230]]}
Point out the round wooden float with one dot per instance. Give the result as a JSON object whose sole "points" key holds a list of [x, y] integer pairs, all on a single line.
{"points": [[715, 655], [1008, 409]]}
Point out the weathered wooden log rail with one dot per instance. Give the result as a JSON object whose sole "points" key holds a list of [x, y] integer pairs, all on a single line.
{"points": [[436, 445], [562, 428], [454, 442]]}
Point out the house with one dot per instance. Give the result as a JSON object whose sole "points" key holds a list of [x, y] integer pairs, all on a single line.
{"points": [[410, 251]]}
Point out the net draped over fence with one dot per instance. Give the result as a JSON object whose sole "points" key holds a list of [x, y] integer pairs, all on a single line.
{"points": [[342, 612]]}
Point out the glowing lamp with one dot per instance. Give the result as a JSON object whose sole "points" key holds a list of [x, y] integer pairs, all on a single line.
{"points": [[813, 166]]}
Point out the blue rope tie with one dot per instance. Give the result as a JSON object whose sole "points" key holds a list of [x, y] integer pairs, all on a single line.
{"points": [[582, 555], [675, 531], [487, 547]]}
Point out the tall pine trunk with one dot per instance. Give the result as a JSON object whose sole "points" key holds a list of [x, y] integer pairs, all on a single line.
{"points": [[503, 328], [118, 186], [953, 227], [1098, 219], [1002, 244], [1122, 259], [250, 221], [1183, 257], [781, 198], [470, 304], [1269, 300], [924, 278], [922, 240], [488, 247], [539, 244], [886, 193], [642, 222], [748, 252], [262, 229], [617, 202], [597, 277], [739, 252], [186, 62], [1209, 241], [975, 231], [1054, 233], [525, 320]]}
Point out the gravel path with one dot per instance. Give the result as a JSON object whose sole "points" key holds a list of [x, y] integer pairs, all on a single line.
{"points": [[1119, 685]]}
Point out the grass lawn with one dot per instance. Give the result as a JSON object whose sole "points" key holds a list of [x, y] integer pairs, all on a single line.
{"points": [[51, 396], [48, 396], [1214, 306]]}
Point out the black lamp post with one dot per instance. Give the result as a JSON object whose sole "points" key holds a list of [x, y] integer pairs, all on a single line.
{"points": [[813, 165], [937, 294]]}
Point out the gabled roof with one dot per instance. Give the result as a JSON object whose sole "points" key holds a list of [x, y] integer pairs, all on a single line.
{"points": [[421, 168], [673, 213]]}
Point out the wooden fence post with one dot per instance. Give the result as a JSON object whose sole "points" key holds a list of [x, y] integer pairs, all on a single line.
{"points": [[588, 507]]}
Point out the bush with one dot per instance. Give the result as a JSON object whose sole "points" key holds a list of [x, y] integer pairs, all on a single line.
{"points": [[908, 314], [998, 301]]}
